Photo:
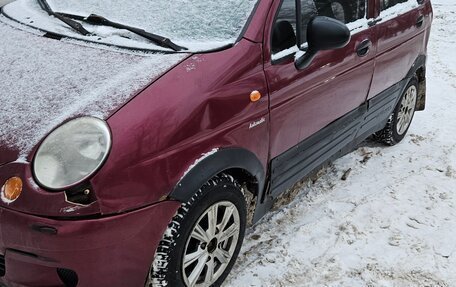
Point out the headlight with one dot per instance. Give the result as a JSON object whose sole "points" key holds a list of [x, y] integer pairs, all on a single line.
{"points": [[72, 153]]}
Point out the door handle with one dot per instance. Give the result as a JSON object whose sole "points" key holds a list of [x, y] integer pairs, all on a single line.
{"points": [[420, 21], [363, 48]]}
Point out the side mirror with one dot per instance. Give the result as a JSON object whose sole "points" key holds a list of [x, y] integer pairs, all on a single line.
{"points": [[323, 33]]}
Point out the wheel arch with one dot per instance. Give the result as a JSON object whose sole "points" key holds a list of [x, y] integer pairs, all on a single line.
{"points": [[418, 70], [239, 163]]}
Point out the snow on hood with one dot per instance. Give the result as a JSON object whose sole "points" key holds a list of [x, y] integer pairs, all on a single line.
{"points": [[44, 82]]}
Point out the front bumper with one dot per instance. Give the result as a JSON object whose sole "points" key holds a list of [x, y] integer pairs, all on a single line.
{"points": [[111, 251]]}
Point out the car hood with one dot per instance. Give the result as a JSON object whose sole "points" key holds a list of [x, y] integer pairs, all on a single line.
{"points": [[44, 82]]}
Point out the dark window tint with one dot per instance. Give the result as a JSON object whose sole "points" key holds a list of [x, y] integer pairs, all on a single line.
{"points": [[385, 4], [288, 13], [346, 11]]}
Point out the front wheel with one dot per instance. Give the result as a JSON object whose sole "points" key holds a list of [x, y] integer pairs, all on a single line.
{"points": [[203, 240], [399, 122]]}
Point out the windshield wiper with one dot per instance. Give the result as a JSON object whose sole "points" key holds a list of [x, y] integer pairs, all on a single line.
{"points": [[102, 21], [94, 19], [73, 24]]}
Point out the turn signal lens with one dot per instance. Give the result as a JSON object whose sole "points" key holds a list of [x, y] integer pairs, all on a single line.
{"points": [[12, 189], [255, 96]]}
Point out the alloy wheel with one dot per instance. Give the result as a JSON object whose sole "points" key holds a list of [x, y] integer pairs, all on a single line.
{"points": [[211, 245], [406, 111]]}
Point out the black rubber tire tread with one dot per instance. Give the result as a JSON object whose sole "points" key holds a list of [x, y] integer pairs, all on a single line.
{"points": [[389, 135], [166, 268]]}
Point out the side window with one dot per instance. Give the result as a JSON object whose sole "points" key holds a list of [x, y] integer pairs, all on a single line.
{"points": [[385, 4], [346, 11], [287, 13], [392, 8]]}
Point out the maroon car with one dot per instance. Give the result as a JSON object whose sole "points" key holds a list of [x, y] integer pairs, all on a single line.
{"points": [[139, 138]]}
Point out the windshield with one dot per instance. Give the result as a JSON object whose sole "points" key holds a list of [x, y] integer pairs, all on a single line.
{"points": [[196, 24]]}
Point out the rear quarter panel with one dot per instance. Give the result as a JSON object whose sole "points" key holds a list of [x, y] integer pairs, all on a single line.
{"points": [[400, 42]]}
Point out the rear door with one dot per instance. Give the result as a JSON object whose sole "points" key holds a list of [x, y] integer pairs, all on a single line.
{"points": [[401, 31], [304, 102]]}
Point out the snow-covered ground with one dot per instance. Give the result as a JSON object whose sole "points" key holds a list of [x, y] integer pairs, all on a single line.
{"points": [[4, 2], [392, 222]]}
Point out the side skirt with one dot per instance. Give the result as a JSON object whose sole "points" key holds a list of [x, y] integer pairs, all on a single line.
{"points": [[333, 141]]}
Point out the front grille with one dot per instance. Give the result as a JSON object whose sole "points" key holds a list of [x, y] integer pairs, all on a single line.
{"points": [[69, 277], [2, 266]]}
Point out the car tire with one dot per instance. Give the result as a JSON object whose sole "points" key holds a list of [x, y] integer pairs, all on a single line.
{"points": [[400, 120], [190, 235]]}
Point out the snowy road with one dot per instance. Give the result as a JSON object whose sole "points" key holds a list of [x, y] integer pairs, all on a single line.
{"points": [[4, 2], [392, 222]]}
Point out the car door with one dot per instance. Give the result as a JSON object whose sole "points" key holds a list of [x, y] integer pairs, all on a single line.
{"points": [[401, 31], [304, 103]]}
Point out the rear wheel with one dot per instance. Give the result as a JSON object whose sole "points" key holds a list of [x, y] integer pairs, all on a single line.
{"points": [[399, 122], [203, 240]]}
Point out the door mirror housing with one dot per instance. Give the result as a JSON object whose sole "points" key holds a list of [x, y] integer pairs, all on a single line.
{"points": [[323, 33]]}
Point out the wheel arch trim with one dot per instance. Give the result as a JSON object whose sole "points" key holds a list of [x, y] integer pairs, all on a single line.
{"points": [[419, 64], [213, 163]]}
